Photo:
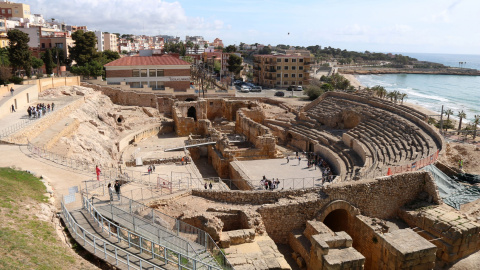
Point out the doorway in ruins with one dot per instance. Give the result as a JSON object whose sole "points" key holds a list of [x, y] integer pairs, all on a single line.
{"points": [[337, 220], [192, 112], [310, 147], [288, 139]]}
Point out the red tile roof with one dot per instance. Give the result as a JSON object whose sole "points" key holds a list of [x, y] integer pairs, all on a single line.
{"points": [[163, 60]]}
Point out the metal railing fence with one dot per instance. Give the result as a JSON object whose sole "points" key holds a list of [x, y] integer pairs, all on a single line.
{"points": [[136, 241]]}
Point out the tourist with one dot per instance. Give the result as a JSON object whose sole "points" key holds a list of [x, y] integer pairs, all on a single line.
{"points": [[11, 91], [205, 185], [13, 108], [153, 167], [182, 160], [299, 158], [149, 170], [97, 171], [288, 160], [460, 164], [110, 191], [53, 106], [117, 189], [29, 111], [210, 185]]}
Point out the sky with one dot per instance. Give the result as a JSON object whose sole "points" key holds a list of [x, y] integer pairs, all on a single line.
{"points": [[422, 26]]}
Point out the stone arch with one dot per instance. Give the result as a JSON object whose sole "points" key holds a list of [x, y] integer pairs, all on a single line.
{"points": [[335, 205], [288, 138], [338, 216], [192, 112]]}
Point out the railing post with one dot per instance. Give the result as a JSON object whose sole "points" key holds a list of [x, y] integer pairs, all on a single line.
{"points": [[141, 247], [178, 226], [118, 235], [105, 250], [128, 261], [94, 246], [153, 249], [84, 239], [116, 256], [129, 241]]}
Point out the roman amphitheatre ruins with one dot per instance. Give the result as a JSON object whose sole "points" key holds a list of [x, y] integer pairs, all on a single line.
{"points": [[205, 206]]}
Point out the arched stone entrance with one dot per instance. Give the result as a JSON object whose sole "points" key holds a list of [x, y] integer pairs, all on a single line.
{"points": [[338, 216], [288, 139], [192, 112]]}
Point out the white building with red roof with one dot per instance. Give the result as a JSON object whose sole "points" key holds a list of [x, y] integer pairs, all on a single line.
{"points": [[155, 72]]}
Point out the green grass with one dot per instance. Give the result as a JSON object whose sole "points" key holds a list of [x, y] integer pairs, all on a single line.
{"points": [[25, 241]]}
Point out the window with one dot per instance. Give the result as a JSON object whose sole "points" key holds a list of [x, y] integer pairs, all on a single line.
{"points": [[160, 73], [160, 86], [144, 84], [134, 85], [285, 83], [278, 75], [279, 67], [300, 83], [286, 60], [294, 60], [9, 11], [300, 75], [143, 73], [16, 11], [293, 75], [3, 11], [278, 83], [294, 67], [59, 45], [43, 45], [279, 60], [285, 75], [285, 67], [136, 73], [300, 67], [152, 73], [301, 60]]}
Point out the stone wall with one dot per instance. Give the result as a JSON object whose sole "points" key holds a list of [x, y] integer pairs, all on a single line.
{"points": [[255, 132], [47, 83], [19, 100], [239, 176], [139, 135], [283, 211]]}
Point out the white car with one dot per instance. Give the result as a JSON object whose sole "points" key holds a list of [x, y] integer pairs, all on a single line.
{"points": [[245, 89], [299, 88]]}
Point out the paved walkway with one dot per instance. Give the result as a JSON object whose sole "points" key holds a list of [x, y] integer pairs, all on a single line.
{"points": [[18, 90]]}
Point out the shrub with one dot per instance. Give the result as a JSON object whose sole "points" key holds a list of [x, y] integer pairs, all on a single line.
{"points": [[16, 80]]}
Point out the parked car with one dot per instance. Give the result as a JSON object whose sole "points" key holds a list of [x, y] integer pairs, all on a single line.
{"points": [[279, 94], [256, 89], [299, 88], [291, 88], [245, 89], [237, 82]]}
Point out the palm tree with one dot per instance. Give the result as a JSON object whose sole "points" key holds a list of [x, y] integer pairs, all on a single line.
{"points": [[448, 112], [196, 47], [403, 96], [475, 124], [461, 114], [390, 95]]}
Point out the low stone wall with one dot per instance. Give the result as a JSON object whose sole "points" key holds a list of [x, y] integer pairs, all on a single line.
{"points": [[19, 100], [47, 83], [240, 177], [139, 135]]}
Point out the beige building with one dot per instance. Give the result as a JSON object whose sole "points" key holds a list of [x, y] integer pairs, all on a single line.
{"points": [[110, 42], [9, 9], [281, 71]]}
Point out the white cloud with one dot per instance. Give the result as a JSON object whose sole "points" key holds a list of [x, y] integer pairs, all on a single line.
{"points": [[123, 16]]}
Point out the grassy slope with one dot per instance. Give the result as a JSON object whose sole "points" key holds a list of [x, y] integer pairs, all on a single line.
{"points": [[25, 241]]}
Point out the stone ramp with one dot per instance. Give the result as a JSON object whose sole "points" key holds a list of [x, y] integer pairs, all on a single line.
{"points": [[103, 246], [49, 137]]}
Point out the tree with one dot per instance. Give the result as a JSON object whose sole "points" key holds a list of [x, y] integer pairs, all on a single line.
{"points": [[5, 74], [92, 68], [476, 121], [108, 56], [265, 50], [403, 96], [4, 61], [230, 49], [461, 114], [48, 60], [313, 91], [327, 87], [196, 48], [234, 64], [36, 63], [18, 52], [448, 112], [84, 49]]}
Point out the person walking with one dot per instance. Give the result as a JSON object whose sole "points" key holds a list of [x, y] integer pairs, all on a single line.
{"points": [[153, 167], [97, 171], [205, 185], [299, 158], [117, 188], [210, 185], [288, 160], [110, 191], [460, 164], [53, 106], [11, 91], [13, 108]]}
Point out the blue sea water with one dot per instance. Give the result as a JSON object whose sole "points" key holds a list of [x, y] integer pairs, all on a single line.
{"points": [[455, 92]]}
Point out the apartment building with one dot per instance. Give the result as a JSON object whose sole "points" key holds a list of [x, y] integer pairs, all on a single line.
{"points": [[110, 42], [14, 10], [281, 71], [156, 72], [100, 41]]}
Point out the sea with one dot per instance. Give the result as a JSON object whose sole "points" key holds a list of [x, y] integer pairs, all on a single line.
{"points": [[455, 92]]}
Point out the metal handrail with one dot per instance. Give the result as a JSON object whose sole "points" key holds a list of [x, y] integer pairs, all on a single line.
{"points": [[18, 126], [105, 223]]}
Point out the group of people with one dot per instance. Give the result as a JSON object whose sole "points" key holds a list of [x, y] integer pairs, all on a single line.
{"points": [[40, 110], [151, 168], [115, 188], [269, 184], [209, 185]]}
